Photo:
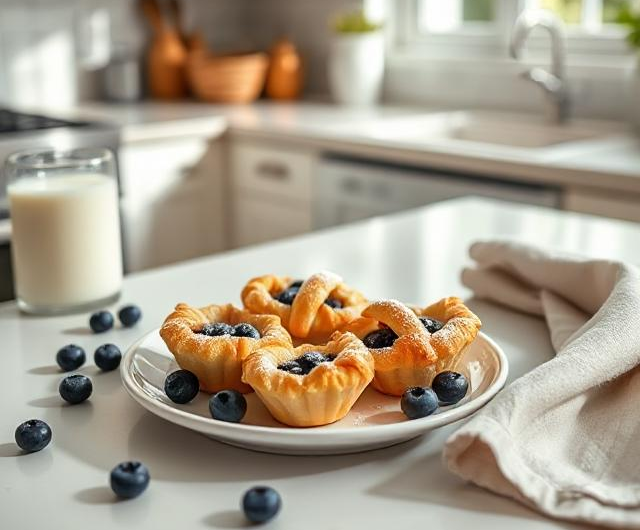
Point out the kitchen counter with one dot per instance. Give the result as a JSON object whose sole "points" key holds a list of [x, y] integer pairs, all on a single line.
{"points": [[197, 482], [607, 164]]}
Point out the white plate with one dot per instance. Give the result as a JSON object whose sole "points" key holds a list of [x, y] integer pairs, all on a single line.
{"points": [[375, 420]]}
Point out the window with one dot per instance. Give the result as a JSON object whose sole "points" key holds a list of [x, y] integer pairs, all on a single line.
{"points": [[472, 28]]}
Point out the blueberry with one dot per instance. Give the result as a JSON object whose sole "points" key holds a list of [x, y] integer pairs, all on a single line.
{"points": [[431, 324], [380, 338], [260, 504], [291, 367], [181, 386], [75, 388], [129, 315], [297, 284], [287, 296], [129, 479], [70, 357], [418, 402], [107, 357], [216, 329], [333, 303], [310, 360], [101, 321], [450, 387], [228, 405], [246, 330], [33, 435]]}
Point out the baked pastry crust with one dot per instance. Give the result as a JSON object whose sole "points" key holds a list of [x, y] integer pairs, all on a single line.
{"points": [[217, 361], [417, 355], [324, 395], [308, 317]]}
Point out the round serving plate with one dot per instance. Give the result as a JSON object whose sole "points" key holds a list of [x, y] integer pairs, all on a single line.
{"points": [[375, 420]]}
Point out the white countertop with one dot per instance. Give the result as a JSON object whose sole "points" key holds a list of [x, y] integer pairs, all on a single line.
{"points": [[197, 482], [610, 163]]}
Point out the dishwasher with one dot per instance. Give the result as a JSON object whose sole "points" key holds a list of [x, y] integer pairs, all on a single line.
{"points": [[348, 190]]}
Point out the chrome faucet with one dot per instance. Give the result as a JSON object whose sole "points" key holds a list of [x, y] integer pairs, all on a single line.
{"points": [[554, 83]]}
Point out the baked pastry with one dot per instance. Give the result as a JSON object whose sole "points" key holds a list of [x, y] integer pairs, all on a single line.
{"points": [[312, 309], [410, 345], [310, 385], [213, 341]]}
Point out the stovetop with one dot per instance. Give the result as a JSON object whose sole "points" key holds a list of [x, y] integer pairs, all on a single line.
{"points": [[16, 122]]}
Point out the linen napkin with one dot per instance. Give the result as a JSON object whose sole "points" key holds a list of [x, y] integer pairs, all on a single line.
{"points": [[563, 439]]}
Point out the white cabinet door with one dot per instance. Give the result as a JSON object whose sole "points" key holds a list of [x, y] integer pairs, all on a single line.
{"points": [[173, 203]]}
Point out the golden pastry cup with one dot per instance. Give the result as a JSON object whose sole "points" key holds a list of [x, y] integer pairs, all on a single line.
{"points": [[416, 356], [308, 317], [324, 395], [217, 361]]}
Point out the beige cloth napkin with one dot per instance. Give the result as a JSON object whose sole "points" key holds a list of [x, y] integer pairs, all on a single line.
{"points": [[563, 439]]}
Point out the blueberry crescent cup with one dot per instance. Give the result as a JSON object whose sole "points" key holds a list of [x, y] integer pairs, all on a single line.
{"points": [[311, 309], [213, 341], [310, 385], [410, 345]]}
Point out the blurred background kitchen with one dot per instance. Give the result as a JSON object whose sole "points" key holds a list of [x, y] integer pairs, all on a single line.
{"points": [[236, 122]]}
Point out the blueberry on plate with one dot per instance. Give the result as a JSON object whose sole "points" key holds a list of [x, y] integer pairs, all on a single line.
{"points": [[228, 405], [33, 435], [181, 386], [333, 303], [418, 402], [216, 329], [287, 296], [129, 479], [107, 357], [101, 321], [246, 330], [70, 357], [129, 315], [380, 338], [450, 387], [75, 388], [431, 324], [261, 504]]}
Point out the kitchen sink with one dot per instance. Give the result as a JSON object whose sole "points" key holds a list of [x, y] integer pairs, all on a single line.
{"points": [[484, 130]]}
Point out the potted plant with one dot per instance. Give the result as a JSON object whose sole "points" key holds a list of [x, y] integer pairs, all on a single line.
{"points": [[356, 60], [629, 16]]}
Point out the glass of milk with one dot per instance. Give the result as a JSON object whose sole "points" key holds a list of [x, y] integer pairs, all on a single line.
{"points": [[67, 254]]}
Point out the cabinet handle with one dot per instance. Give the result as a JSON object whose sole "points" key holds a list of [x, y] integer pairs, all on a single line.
{"points": [[273, 171]]}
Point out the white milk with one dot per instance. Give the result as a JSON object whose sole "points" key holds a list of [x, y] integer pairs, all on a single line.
{"points": [[65, 239]]}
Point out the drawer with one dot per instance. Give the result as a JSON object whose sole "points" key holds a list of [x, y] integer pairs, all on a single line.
{"points": [[272, 171]]}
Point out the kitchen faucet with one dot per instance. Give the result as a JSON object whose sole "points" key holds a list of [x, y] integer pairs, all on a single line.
{"points": [[554, 83]]}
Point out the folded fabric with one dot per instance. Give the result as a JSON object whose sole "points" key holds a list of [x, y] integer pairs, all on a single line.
{"points": [[563, 439]]}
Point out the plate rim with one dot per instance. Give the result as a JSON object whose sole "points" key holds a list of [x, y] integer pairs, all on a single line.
{"points": [[211, 426]]}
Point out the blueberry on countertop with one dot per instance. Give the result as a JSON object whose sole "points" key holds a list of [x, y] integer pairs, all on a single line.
{"points": [[333, 303], [450, 387], [129, 479], [101, 321], [287, 296], [75, 388], [107, 357], [261, 504], [418, 402], [70, 357], [33, 435], [181, 386], [129, 315], [246, 330], [431, 324], [228, 405], [216, 329], [380, 338]]}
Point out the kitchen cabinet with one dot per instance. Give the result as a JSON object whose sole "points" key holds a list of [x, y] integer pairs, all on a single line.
{"points": [[270, 190], [613, 204], [172, 200]]}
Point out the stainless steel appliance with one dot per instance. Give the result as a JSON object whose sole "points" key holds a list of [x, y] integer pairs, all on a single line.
{"points": [[19, 131]]}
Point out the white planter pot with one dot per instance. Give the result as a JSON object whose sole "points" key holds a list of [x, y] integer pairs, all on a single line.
{"points": [[356, 68]]}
